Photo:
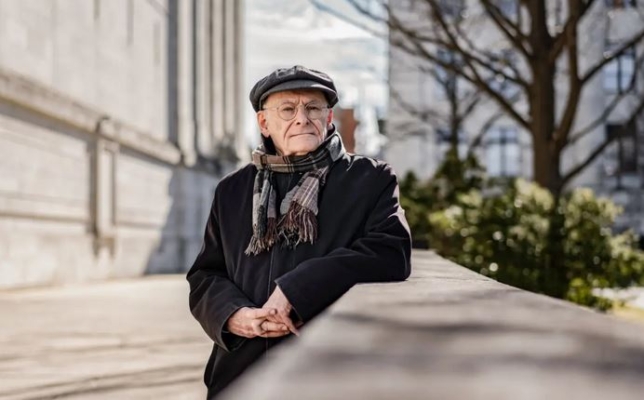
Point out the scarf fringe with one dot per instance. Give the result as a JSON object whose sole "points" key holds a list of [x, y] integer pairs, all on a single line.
{"points": [[301, 223], [259, 243]]}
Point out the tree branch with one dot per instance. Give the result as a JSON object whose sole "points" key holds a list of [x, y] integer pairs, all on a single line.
{"points": [[617, 99], [424, 116], [561, 133], [332, 11], [478, 139], [476, 79], [511, 31], [559, 42], [600, 149], [596, 68], [418, 40]]}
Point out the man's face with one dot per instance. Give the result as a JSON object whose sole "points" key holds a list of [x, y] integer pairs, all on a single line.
{"points": [[301, 134]]}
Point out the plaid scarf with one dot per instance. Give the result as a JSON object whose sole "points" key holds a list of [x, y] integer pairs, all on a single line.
{"points": [[299, 208]]}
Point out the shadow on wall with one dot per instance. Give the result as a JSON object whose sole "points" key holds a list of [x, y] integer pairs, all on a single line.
{"points": [[189, 191], [178, 241]]}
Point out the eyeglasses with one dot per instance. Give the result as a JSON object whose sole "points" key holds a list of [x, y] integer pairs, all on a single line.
{"points": [[288, 111]]}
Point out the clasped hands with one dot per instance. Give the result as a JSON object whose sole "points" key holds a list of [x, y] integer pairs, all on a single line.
{"points": [[271, 321]]}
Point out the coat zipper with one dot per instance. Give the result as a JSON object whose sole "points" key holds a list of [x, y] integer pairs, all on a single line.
{"points": [[268, 287]]}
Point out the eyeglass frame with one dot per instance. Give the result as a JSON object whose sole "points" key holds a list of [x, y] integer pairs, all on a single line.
{"points": [[325, 107]]}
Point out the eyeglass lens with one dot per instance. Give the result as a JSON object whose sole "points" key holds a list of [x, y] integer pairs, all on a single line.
{"points": [[289, 111]]}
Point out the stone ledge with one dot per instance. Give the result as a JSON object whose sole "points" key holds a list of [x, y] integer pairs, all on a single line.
{"points": [[35, 97], [449, 333]]}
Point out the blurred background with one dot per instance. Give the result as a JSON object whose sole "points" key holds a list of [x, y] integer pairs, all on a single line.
{"points": [[516, 130], [119, 117]]}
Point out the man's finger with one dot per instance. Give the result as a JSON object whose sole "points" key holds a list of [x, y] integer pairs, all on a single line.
{"points": [[274, 318], [259, 313], [287, 321], [269, 326], [256, 326], [274, 334]]}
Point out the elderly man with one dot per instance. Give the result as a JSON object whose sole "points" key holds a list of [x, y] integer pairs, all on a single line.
{"points": [[294, 230]]}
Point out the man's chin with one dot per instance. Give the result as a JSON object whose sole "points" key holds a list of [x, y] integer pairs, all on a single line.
{"points": [[305, 148]]}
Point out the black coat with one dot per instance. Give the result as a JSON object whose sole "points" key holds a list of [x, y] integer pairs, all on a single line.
{"points": [[362, 237]]}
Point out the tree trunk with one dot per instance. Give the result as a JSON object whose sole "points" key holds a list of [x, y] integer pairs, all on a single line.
{"points": [[454, 119], [546, 158], [546, 162]]}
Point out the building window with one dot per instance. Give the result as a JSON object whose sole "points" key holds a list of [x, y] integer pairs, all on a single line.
{"points": [[625, 156], [558, 13], [509, 8], [506, 63], [620, 3], [443, 142], [446, 85], [451, 8], [503, 152], [619, 73]]}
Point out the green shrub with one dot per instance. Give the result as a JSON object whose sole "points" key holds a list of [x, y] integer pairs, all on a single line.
{"points": [[517, 233], [419, 198], [522, 237]]}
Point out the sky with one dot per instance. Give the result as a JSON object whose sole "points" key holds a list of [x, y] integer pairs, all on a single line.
{"points": [[283, 33]]}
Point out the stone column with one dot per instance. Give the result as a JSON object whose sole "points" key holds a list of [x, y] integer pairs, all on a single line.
{"points": [[218, 77], [242, 99], [203, 78], [231, 70], [185, 83], [104, 190]]}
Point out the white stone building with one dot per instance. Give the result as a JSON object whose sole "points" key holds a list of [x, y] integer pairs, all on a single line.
{"points": [[415, 146], [117, 118]]}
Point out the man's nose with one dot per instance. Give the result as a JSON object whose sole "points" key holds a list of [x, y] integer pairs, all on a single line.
{"points": [[301, 115]]}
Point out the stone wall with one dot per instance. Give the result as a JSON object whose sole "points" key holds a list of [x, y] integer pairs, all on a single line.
{"points": [[117, 119]]}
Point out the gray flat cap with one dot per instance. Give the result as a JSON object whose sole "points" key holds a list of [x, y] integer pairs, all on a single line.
{"points": [[294, 78]]}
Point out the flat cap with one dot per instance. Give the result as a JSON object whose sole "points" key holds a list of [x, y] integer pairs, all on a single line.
{"points": [[294, 78]]}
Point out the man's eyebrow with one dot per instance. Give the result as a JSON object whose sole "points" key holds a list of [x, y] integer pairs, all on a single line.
{"points": [[291, 101], [286, 102]]}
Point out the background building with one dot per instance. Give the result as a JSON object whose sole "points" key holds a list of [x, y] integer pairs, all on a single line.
{"points": [[417, 136], [117, 118]]}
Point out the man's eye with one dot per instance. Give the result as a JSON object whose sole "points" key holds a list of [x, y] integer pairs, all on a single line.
{"points": [[314, 108], [288, 109]]}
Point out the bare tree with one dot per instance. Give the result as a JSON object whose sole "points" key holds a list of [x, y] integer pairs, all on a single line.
{"points": [[549, 64], [460, 105], [461, 99]]}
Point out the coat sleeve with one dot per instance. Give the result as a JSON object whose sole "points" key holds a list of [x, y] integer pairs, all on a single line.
{"points": [[214, 297], [381, 254]]}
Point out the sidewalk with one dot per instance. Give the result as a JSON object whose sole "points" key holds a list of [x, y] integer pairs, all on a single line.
{"points": [[119, 340]]}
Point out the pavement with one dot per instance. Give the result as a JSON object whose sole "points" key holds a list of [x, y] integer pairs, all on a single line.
{"points": [[130, 339]]}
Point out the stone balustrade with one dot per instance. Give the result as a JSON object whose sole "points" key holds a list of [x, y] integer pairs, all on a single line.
{"points": [[450, 333]]}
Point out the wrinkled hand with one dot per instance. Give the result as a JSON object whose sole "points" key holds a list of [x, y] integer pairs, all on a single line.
{"points": [[254, 322], [283, 307]]}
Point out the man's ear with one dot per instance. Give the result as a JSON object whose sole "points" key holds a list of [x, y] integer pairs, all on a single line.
{"points": [[262, 123], [329, 118]]}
